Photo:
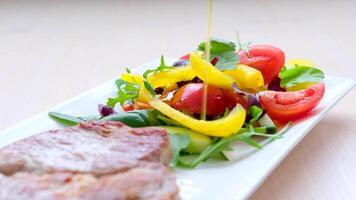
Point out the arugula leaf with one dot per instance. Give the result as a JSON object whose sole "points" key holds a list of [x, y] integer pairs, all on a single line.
{"points": [[160, 68], [128, 70], [224, 51], [149, 88], [126, 92], [177, 143], [65, 119], [244, 135], [266, 121], [300, 74]]}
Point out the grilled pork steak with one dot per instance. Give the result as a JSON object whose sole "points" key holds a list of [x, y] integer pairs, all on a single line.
{"points": [[151, 181], [100, 148], [91, 161]]}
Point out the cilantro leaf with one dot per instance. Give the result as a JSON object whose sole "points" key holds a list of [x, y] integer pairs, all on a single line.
{"points": [[224, 51], [243, 46], [218, 46], [126, 92], [226, 60], [177, 143], [300, 74]]}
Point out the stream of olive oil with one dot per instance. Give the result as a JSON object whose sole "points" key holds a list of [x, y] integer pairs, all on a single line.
{"points": [[207, 59]]}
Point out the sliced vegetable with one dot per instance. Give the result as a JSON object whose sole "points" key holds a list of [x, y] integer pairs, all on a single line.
{"points": [[246, 77], [288, 106], [208, 73], [189, 100], [231, 123], [291, 63], [266, 58], [163, 78], [174, 75], [198, 142]]}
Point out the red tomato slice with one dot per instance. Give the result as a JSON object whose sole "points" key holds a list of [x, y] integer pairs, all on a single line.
{"points": [[185, 57], [189, 99], [267, 59], [288, 106], [128, 107]]}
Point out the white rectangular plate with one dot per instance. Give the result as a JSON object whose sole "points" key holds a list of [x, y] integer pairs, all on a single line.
{"points": [[213, 180]]}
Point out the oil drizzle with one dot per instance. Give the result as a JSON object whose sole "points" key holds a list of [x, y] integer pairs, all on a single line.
{"points": [[207, 59]]}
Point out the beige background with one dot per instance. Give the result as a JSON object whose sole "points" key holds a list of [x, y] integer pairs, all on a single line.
{"points": [[53, 50]]}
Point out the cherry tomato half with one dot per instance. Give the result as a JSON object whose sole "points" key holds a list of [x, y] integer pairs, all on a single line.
{"points": [[267, 59], [189, 99], [288, 106]]}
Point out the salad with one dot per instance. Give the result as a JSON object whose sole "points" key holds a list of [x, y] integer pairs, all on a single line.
{"points": [[251, 92]]}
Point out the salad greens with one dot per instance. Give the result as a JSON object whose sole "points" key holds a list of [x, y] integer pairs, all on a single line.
{"points": [[300, 74], [178, 142], [225, 51], [244, 135], [250, 90], [65, 119], [126, 91]]}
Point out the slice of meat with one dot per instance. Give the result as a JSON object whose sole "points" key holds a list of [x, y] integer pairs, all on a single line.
{"points": [[91, 147], [150, 181]]}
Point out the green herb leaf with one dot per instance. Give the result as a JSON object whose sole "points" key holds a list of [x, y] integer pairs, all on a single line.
{"points": [[226, 60], [218, 46], [243, 46], [244, 135], [136, 118], [224, 51], [128, 70], [160, 68], [177, 142], [255, 112], [266, 121], [300, 74], [126, 92], [149, 88], [64, 119]]}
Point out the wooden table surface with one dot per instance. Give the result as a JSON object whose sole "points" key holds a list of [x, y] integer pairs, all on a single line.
{"points": [[53, 50]]}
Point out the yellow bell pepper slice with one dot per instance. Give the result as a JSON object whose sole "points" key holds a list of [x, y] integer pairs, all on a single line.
{"points": [[209, 74], [246, 77], [164, 78], [168, 77], [132, 78], [291, 63], [222, 127]]}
